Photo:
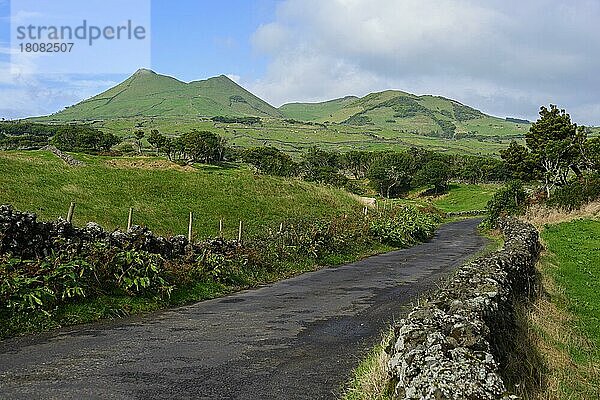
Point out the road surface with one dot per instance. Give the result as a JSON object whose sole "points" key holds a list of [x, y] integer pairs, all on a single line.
{"points": [[295, 339]]}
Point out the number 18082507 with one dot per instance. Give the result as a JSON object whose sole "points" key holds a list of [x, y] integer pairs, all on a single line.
{"points": [[46, 47]]}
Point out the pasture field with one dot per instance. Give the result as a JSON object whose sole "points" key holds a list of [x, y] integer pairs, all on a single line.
{"points": [[566, 320], [465, 197], [294, 138], [161, 193]]}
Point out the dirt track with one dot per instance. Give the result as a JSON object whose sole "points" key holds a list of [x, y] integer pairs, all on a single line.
{"points": [[296, 339]]}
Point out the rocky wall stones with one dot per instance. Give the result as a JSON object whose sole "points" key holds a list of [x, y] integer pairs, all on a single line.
{"points": [[23, 236], [67, 158], [452, 346]]}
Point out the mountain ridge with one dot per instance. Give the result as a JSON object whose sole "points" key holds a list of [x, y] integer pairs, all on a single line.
{"points": [[147, 94]]}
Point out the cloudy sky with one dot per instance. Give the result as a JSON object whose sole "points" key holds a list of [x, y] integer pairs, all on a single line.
{"points": [[504, 57]]}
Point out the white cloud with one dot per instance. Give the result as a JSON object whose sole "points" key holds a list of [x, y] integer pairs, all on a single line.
{"points": [[25, 92], [506, 57]]}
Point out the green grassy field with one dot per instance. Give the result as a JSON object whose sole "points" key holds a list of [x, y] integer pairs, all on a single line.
{"points": [[161, 193], [464, 197], [576, 249], [296, 138], [566, 322]]}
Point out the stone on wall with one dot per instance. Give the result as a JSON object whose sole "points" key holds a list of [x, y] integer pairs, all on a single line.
{"points": [[451, 347]]}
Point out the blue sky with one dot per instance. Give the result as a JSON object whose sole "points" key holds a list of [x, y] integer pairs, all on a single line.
{"points": [[505, 57], [198, 39]]}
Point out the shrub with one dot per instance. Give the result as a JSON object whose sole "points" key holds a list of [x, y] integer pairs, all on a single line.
{"points": [[405, 227], [509, 200], [69, 264], [39, 285], [576, 194]]}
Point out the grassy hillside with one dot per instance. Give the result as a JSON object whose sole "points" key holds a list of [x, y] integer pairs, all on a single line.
{"points": [[315, 111], [385, 120], [297, 137], [162, 194], [406, 113], [149, 94]]}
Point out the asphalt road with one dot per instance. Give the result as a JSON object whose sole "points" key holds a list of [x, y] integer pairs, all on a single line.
{"points": [[296, 339]]}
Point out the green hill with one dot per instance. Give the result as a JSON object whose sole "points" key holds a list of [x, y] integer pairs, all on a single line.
{"points": [[148, 94], [315, 111], [384, 120], [404, 112]]}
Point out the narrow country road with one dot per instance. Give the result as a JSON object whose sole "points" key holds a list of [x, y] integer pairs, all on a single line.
{"points": [[295, 339]]}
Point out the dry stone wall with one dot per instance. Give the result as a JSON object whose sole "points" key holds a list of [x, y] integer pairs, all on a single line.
{"points": [[67, 158], [23, 236], [453, 346]]}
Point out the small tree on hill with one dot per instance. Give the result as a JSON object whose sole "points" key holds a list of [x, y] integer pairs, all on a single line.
{"points": [[139, 135], [357, 163], [203, 146], [157, 140], [391, 174], [108, 140], [270, 160]]}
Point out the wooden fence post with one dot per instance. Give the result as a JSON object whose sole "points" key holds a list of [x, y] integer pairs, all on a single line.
{"points": [[221, 227], [130, 219], [240, 232], [281, 227], [190, 227], [70, 213]]}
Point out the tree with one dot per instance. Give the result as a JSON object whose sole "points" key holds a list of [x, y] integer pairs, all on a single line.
{"points": [[157, 140], [591, 154], [554, 142], [391, 174], [270, 160], [322, 166], [139, 135], [520, 162], [435, 173], [82, 138], [108, 140], [357, 163], [203, 146]]}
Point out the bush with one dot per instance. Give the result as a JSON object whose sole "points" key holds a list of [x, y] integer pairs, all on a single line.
{"points": [[510, 200], [404, 228], [576, 194]]}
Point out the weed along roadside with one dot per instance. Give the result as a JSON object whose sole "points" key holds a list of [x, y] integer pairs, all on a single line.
{"points": [[55, 274]]}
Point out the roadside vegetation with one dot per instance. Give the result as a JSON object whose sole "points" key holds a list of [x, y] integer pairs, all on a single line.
{"points": [[71, 278], [562, 324]]}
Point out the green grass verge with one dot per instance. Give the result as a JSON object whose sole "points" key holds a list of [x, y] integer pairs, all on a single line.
{"points": [[564, 324], [370, 380], [109, 307], [576, 249]]}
